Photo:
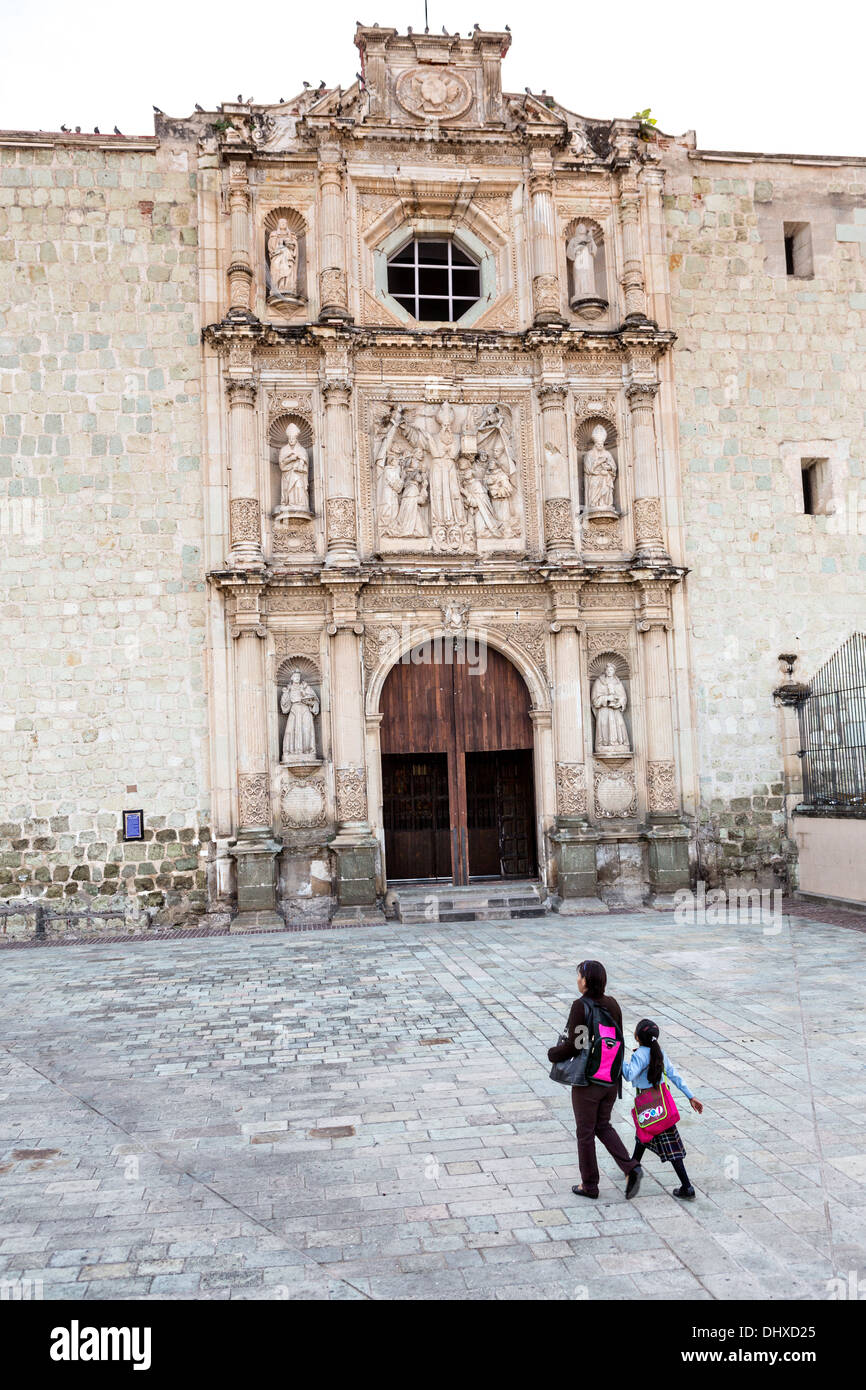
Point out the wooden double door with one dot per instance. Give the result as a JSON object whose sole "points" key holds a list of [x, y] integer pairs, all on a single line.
{"points": [[457, 774]]}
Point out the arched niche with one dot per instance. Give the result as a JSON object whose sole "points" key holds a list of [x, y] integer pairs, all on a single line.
{"points": [[621, 670], [278, 439], [584, 443], [311, 676], [587, 267], [292, 223]]}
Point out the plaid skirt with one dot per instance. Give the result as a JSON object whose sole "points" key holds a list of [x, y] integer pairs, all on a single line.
{"points": [[668, 1145]]}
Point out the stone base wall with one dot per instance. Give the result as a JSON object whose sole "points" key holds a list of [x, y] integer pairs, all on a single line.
{"points": [[102, 609], [770, 370]]}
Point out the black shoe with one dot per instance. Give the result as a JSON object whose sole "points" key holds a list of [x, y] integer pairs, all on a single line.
{"points": [[634, 1181], [579, 1192], [687, 1193]]}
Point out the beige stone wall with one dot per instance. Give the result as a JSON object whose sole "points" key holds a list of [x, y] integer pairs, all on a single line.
{"points": [[103, 606], [769, 369]]}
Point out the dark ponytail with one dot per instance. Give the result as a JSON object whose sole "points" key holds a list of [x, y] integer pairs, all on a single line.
{"points": [[647, 1034]]}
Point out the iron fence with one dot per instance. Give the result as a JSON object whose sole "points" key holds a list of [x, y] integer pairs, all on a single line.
{"points": [[833, 734]]}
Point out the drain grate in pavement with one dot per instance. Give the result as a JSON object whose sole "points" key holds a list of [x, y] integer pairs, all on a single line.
{"points": [[332, 1132]]}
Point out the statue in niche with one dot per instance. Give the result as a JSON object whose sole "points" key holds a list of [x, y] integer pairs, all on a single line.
{"points": [[609, 699], [599, 476], [294, 461], [299, 701], [582, 250], [500, 469], [283, 258]]}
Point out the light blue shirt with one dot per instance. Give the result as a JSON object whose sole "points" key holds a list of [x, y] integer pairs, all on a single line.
{"points": [[634, 1069]]}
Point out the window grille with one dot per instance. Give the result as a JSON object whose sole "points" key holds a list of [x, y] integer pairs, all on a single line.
{"points": [[434, 280], [833, 734]]}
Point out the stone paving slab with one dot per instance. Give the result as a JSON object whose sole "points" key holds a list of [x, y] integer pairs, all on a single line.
{"points": [[367, 1114]]}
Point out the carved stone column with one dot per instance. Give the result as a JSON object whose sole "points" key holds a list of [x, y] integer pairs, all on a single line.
{"points": [[574, 839], [340, 474], [245, 512], [648, 529], [633, 283], [546, 290], [558, 514], [667, 837], [254, 849], [333, 294], [240, 273], [354, 846]]}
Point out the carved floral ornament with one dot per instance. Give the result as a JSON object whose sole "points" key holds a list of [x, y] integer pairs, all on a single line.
{"points": [[433, 93], [351, 794], [571, 789], [254, 806], [662, 788]]}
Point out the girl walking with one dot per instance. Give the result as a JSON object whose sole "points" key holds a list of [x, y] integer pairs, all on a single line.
{"points": [[644, 1069]]}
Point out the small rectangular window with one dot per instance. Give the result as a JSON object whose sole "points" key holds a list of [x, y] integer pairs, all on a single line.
{"points": [[798, 250], [816, 487]]}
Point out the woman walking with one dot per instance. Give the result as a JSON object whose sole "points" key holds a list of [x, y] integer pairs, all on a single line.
{"points": [[645, 1069], [593, 1102]]}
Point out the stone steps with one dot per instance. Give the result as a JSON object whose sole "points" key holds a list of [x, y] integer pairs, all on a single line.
{"points": [[487, 902]]}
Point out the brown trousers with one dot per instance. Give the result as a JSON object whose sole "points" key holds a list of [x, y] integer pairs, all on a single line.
{"points": [[592, 1107]]}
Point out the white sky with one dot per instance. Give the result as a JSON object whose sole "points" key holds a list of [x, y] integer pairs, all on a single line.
{"points": [[746, 74]]}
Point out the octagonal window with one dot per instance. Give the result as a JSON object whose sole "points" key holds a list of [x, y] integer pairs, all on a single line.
{"points": [[434, 279]]}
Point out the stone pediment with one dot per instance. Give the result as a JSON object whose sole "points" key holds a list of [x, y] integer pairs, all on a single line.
{"points": [[432, 79]]}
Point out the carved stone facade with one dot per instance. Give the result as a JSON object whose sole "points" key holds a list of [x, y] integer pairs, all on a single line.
{"points": [[352, 482]]}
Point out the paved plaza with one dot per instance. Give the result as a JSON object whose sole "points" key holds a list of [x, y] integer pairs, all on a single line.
{"points": [[366, 1113]]}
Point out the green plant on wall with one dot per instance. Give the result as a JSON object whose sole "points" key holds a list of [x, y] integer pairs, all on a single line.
{"points": [[647, 122]]}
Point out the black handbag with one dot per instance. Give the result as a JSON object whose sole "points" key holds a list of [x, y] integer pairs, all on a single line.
{"points": [[571, 1072]]}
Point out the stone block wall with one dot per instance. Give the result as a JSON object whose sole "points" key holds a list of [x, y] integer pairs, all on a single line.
{"points": [[770, 369], [103, 601]]}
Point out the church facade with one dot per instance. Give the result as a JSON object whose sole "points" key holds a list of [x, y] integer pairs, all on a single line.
{"points": [[423, 471]]}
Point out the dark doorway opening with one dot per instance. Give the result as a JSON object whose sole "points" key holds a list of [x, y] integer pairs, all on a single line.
{"points": [[415, 813], [500, 814], [457, 770]]}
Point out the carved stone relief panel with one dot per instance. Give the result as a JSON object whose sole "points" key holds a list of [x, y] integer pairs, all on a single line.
{"points": [[254, 805], [448, 476], [571, 789], [662, 788], [351, 794], [303, 802]]}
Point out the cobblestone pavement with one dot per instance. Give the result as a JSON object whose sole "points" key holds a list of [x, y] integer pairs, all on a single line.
{"points": [[367, 1113]]}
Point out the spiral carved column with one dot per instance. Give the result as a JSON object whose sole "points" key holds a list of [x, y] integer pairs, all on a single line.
{"points": [[240, 272], [558, 516], [633, 284], [648, 525], [244, 506], [546, 291], [340, 474], [333, 293]]}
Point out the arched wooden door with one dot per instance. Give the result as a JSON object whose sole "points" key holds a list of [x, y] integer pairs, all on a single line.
{"points": [[457, 777]]}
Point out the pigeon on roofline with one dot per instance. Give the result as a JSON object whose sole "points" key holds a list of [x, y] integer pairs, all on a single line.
{"points": [[159, 111], [198, 108]]}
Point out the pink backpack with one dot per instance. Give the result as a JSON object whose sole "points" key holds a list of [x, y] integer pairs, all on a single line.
{"points": [[606, 1047]]}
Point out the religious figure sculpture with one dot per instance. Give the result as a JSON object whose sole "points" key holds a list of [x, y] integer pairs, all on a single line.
{"points": [[411, 519], [445, 477], [283, 257], [300, 702], [599, 475], [294, 461], [442, 447], [609, 699], [476, 498], [582, 250]]}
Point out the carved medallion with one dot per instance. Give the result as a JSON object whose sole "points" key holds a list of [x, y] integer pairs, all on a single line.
{"points": [[302, 803], [615, 794], [434, 93]]}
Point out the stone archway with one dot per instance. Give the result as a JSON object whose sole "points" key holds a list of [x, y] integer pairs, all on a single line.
{"points": [[457, 747]]}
